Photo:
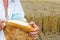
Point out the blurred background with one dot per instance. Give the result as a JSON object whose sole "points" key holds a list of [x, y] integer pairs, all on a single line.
{"points": [[46, 14]]}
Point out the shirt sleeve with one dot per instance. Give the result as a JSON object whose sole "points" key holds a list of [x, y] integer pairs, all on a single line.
{"points": [[18, 8], [17, 11], [2, 11]]}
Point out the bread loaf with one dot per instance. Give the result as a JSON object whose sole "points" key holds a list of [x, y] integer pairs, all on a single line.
{"points": [[19, 24]]}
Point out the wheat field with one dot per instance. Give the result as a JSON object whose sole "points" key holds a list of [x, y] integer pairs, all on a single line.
{"points": [[46, 14]]}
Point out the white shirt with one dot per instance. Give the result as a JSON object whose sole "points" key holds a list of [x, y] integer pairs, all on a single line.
{"points": [[14, 8], [15, 11]]}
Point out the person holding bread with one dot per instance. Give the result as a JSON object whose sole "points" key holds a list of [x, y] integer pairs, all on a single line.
{"points": [[12, 9]]}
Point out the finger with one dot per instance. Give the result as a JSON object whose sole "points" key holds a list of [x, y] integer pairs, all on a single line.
{"points": [[35, 26], [33, 33], [36, 29], [34, 37], [32, 23], [1, 21], [2, 26]]}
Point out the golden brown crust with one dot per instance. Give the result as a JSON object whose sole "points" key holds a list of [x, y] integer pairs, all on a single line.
{"points": [[13, 33], [27, 28]]}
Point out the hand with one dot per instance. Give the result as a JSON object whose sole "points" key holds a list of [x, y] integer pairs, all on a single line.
{"points": [[35, 32], [1, 24]]}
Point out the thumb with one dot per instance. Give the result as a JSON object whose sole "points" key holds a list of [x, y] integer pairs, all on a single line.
{"points": [[32, 23]]}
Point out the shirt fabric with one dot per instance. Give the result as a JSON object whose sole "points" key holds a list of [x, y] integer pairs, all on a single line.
{"points": [[15, 11]]}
